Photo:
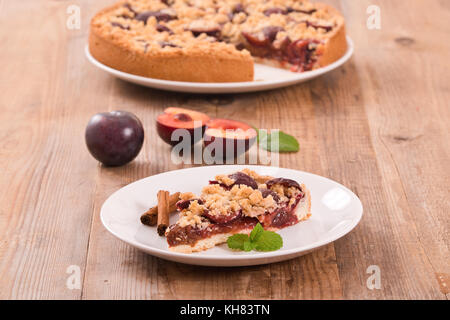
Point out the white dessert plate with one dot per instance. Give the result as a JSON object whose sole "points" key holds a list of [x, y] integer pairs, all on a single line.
{"points": [[265, 77], [335, 212]]}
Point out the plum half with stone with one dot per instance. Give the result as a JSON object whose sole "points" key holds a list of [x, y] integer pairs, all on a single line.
{"points": [[228, 138], [114, 138], [179, 118]]}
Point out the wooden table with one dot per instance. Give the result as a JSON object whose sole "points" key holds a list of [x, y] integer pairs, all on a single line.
{"points": [[379, 125]]}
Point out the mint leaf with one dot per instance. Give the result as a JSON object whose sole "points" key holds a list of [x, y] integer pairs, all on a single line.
{"points": [[286, 142], [249, 245], [256, 232], [237, 241], [259, 239], [260, 134], [269, 241]]}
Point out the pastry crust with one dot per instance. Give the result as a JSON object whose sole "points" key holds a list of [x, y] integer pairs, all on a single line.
{"points": [[121, 40], [207, 243], [302, 211], [336, 45], [194, 67], [211, 65]]}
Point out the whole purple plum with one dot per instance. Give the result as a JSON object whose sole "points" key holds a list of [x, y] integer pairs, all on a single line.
{"points": [[114, 138]]}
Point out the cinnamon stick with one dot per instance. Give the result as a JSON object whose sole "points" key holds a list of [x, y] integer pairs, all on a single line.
{"points": [[163, 211], [150, 218]]}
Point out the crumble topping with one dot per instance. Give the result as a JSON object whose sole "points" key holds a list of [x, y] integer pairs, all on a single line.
{"points": [[225, 179], [192, 216], [217, 200], [240, 197], [152, 26], [228, 209], [187, 196], [286, 193], [261, 180], [278, 188]]}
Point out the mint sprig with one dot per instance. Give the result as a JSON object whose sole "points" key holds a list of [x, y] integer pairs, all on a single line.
{"points": [[286, 142], [237, 241], [259, 240]]}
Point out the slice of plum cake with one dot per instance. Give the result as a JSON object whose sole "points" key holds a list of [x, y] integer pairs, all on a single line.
{"points": [[233, 204]]}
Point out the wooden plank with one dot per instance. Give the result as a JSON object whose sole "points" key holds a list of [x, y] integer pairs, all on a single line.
{"points": [[46, 191], [410, 130], [379, 125], [404, 234]]}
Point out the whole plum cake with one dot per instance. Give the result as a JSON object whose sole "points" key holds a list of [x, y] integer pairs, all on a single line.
{"points": [[216, 40]]}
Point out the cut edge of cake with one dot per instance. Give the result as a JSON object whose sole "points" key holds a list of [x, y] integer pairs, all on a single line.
{"points": [[302, 211]]}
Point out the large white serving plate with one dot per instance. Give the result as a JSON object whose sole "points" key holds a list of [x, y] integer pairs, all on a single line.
{"points": [[335, 212], [265, 77]]}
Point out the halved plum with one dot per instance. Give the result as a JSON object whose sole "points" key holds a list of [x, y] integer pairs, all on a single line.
{"points": [[228, 138], [284, 182], [267, 192], [179, 118], [223, 218], [242, 178], [239, 178]]}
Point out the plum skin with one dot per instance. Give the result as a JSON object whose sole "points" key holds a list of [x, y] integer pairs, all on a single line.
{"points": [[177, 118], [165, 133], [234, 145], [114, 138], [242, 178]]}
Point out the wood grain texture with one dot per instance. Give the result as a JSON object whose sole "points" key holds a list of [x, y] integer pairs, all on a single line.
{"points": [[379, 125]]}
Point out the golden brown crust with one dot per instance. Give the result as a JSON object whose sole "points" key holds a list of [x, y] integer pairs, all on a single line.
{"points": [[195, 66], [334, 49], [336, 46], [180, 67], [133, 46]]}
